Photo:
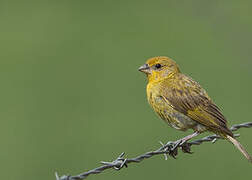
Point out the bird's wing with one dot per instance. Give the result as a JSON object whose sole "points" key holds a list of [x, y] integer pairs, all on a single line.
{"points": [[187, 97]]}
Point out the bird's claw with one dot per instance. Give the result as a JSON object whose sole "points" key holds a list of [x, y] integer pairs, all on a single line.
{"points": [[186, 148], [171, 148], [174, 150]]}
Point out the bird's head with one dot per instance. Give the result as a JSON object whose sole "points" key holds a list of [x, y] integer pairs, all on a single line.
{"points": [[159, 68]]}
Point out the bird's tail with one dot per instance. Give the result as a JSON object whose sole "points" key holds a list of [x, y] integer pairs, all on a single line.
{"points": [[240, 147]]}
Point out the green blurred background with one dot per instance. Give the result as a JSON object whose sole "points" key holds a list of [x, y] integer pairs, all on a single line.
{"points": [[71, 95]]}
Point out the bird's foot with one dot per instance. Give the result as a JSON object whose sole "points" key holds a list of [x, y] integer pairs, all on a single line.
{"points": [[170, 148], [174, 149], [186, 148], [182, 144]]}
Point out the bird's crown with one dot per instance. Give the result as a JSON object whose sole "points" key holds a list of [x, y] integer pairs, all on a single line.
{"points": [[162, 60]]}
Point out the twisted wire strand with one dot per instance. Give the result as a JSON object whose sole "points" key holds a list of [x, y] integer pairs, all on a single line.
{"points": [[170, 148]]}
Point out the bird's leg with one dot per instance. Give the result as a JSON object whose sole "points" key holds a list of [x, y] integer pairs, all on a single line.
{"points": [[182, 144], [187, 138]]}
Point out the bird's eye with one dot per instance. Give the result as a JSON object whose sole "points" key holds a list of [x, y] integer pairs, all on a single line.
{"points": [[158, 66]]}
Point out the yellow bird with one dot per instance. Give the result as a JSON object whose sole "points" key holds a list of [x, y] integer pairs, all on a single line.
{"points": [[183, 103]]}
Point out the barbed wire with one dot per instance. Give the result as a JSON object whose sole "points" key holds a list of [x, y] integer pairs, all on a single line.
{"points": [[170, 148]]}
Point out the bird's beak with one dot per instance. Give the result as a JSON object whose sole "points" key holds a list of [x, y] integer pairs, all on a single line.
{"points": [[145, 69]]}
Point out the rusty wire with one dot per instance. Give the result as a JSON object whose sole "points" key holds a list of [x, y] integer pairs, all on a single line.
{"points": [[170, 148]]}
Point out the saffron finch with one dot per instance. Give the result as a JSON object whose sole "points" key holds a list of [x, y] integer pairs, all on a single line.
{"points": [[183, 103]]}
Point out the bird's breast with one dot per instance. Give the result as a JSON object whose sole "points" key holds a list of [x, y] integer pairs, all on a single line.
{"points": [[166, 111]]}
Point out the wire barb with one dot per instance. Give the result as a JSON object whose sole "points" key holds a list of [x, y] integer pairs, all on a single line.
{"points": [[117, 164], [170, 148]]}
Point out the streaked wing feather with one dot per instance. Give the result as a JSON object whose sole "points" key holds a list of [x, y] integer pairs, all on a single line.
{"points": [[193, 101]]}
